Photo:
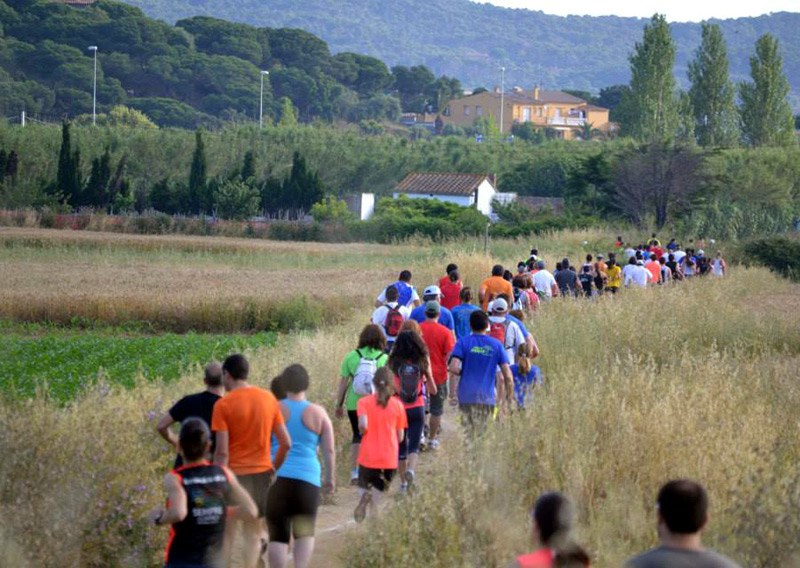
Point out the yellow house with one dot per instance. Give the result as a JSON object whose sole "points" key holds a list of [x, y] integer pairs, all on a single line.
{"points": [[565, 114]]}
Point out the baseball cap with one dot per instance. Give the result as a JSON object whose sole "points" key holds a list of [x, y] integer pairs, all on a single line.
{"points": [[432, 291], [640, 262], [599, 256], [500, 305], [432, 308]]}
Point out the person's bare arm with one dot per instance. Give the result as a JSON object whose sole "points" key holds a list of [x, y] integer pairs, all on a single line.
{"points": [[328, 444], [362, 424], [178, 506], [430, 384], [455, 376], [284, 445], [481, 294], [245, 506], [341, 395], [533, 347], [554, 290], [401, 435], [165, 431], [509, 382], [221, 451]]}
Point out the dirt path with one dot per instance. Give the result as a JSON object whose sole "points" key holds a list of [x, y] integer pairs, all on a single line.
{"points": [[335, 521]]}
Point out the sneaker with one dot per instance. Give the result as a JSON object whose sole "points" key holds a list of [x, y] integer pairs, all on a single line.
{"points": [[361, 509], [409, 481], [403, 489], [354, 476], [434, 445]]}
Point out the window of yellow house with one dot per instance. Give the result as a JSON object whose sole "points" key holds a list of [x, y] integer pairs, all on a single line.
{"points": [[478, 110], [466, 110], [526, 114], [538, 111]]}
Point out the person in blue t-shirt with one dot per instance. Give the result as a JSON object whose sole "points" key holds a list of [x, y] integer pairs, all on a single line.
{"points": [[462, 312], [526, 376], [433, 294], [475, 383]]}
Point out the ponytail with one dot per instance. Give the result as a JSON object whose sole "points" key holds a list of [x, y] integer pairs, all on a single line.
{"points": [[384, 385], [554, 516], [523, 360]]}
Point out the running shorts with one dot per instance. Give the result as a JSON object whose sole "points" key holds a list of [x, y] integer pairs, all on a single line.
{"points": [[353, 416], [438, 400], [413, 437], [291, 509], [377, 478], [257, 485], [476, 417]]}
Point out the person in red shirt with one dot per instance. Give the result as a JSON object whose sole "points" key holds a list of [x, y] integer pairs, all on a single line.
{"points": [[553, 518], [440, 343], [446, 278], [451, 290], [382, 423]]}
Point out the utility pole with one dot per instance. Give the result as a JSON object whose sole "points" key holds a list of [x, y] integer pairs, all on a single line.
{"points": [[94, 88], [22, 119], [502, 95], [261, 104]]}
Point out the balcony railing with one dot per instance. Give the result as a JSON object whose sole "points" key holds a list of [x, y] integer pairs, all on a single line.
{"points": [[566, 121]]}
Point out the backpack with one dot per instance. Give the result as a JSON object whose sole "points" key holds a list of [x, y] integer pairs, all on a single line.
{"points": [[410, 376], [394, 321], [405, 292], [362, 379], [499, 330]]}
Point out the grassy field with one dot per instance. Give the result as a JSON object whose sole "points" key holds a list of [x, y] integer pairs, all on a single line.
{"points": [[60, 363], [697, 379]]}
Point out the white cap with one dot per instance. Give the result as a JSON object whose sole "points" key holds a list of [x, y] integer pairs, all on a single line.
{"points": [[432, 291], [500, 305], [701, 251]]}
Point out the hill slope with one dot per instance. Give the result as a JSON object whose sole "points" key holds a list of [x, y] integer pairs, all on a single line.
{"points": [[470, 41]]}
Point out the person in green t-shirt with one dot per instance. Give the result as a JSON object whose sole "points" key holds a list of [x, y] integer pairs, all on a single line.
{"points": [[371, 346]]}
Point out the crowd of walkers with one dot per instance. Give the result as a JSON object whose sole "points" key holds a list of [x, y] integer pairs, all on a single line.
{"points": [[251, 456]]}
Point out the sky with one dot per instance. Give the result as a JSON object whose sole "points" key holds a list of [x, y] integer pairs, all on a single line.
{"points": [[676, 10]]}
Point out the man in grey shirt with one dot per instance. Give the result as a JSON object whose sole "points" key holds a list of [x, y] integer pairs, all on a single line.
{"points": [[682, 515]]}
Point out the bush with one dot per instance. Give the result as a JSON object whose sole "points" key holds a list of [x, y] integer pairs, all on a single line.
{"points": [[779, 254], [236, 200]]}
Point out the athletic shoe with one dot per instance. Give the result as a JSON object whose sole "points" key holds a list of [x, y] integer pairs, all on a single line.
{"points": [[361, 509], [434, 445], [409, 479], [354, 476], [403, 489]]}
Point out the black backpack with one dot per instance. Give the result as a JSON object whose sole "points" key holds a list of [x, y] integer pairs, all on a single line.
{"points": [[410, 376]]}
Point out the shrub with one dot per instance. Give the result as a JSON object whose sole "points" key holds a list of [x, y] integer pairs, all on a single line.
{"points": [[780, 254]]}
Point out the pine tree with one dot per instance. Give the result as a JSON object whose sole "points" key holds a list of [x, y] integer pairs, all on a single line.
{"points": [[95, 193], [712, 93], [248, 166], [765, 112], [651, 106], [12, 166], [197, 176], [3, 160], [68, 175], [288, 114]]}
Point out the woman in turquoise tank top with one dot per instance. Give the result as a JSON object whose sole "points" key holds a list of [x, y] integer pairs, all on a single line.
{"points": [[294, 498]]}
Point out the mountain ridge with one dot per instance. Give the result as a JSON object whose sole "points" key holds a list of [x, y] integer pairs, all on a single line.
{"points": [[471, 40]]}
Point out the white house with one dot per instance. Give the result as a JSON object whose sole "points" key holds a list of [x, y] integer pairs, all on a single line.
{"points": [[361, 204], [467, 190]]}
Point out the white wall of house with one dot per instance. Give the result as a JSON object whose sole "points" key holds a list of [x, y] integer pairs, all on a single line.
{"points": [[485, 195], [463, 200], [367, 205]]}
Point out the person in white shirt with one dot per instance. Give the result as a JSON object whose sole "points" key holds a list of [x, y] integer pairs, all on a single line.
{"points": [[513, 334], [390, 316], [679, 255], [635, 273], [544, 281], [630, 252]]}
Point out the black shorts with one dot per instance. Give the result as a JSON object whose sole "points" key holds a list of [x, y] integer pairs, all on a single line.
{"points": [[257, 485], [413, 437], [353, 416], [438, 400], [377, 478], [291, 509]]}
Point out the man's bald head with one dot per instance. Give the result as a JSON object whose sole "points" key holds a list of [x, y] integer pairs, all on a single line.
{"points": [[213, 374]]}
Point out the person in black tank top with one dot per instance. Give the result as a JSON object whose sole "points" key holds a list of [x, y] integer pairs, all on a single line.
{"points": [[199, 495]]}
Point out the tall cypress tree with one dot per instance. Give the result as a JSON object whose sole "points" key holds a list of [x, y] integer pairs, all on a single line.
{"points": [[68, 176], [95, 193], [651, 106], [712, 93], [197, 176], [3, 160], [248, 166], [764, 110]]}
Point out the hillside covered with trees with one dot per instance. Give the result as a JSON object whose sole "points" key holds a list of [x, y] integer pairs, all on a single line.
{"points": [[471, 41], [194, 73]]}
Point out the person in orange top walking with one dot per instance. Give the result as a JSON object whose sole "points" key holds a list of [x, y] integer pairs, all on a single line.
{"points": [[382, 421], [244, 421], [654, 267], [494, 286]]}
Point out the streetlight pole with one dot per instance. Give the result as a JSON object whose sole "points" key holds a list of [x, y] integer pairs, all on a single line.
{"points": [[261, 103], [94, 87], [502, 95]]}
